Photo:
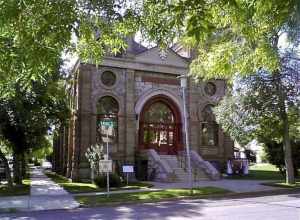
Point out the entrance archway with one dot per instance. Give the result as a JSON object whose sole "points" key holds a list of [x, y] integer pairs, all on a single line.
{"points": [[160, 126]]}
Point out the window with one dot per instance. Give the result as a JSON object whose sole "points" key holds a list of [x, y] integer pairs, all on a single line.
{"points": [[210, 88], [108, 78], [209, 127], [159, 125], [159, 113], [107, 120]]}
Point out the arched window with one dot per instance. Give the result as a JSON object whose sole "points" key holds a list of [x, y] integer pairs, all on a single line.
{"points": [[107, 120], [209, 127]]}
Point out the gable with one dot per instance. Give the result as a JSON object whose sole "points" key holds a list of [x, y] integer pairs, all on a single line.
{"points": [[152, 56]]}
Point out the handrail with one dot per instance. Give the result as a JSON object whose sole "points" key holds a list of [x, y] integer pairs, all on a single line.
{"points": [[165, 168]]}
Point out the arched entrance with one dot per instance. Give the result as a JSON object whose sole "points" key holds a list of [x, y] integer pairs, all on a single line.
{"points": [[160, 126]]}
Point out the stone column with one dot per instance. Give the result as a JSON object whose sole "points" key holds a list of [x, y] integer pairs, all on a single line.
{"points": [[130, 120], [129, 149], [193, 112], [81, 170], [70, 146]]}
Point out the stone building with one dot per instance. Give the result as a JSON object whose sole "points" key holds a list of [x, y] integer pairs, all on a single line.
{"points": [[134, 101]]}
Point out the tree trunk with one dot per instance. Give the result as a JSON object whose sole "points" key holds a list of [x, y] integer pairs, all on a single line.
{"points": [[7, 169], [16, 169], [23, 165], [288, 159]]}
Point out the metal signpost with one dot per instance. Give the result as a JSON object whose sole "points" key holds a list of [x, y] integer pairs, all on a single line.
{"points": [[127, 169], [183, 83], [106, 166]]}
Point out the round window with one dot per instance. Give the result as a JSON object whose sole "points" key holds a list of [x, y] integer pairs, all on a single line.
{"points": [[210, 88], [108, 78]]}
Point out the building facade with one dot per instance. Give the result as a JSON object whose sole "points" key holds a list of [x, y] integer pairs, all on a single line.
{"points": [[134, 102]]}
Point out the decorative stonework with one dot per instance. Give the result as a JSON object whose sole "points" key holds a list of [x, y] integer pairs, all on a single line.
{"points": [[210, 89], [108, 78]]}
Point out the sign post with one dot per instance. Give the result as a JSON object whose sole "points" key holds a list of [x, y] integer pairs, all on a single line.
{"points": [[127, 169], [106, 166], [107, 173]]}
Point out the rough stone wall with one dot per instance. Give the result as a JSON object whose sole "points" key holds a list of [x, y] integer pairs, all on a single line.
{"points": [[80, 165]]}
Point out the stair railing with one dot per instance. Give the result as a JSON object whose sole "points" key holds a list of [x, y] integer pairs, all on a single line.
{"points": [[198, 166], [164, 172]]}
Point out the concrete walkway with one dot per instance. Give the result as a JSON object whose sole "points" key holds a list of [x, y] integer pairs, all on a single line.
{"points": [[44, 195], [47, 195]]}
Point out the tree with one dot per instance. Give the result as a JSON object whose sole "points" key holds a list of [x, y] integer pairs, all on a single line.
{"points": [[3, 153], [232, 37], [27, 115], [275, 155], [252, 109], [33, 36]]}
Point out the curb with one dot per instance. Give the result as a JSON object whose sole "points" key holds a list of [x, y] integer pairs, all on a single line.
{"points": [[229, 195]]}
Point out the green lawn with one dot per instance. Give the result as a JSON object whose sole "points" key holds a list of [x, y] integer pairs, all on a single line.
{"points": [[284, 185], [20, 190], [79, 187], [152, 196], [261, 172]]}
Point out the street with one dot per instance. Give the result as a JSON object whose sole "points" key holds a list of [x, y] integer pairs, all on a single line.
{"points": [[285, 207]]}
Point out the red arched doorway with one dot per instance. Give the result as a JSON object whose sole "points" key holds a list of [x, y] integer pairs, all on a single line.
{"points": [[160, 126]]}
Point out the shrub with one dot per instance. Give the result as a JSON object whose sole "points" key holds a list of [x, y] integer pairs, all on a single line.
{"points": [[275, 155], [114, 180]]}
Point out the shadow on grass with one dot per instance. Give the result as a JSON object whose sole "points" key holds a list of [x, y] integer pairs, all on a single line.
{"points": [[16, 190], [284, 185], [259, 175], [152, 196], [79, 187]]}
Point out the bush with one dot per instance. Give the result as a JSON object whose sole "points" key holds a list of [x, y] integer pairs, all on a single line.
{"points": [[275, 155], [114, 180]]}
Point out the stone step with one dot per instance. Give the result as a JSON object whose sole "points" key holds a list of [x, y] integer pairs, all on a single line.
{"points": [[181, 174], [168, 157]]}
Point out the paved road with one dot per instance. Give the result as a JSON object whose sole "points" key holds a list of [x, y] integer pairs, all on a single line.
{"points": [[286, 207]]}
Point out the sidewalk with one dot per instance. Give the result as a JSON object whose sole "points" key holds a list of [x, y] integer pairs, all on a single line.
{"points": [[44, 195], [47, 195], [237, 186]]}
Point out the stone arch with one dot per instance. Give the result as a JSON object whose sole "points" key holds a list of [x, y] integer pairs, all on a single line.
{"points": [[160, 125], [143, 99], [96, 97], [208, 127], [107, 117]]}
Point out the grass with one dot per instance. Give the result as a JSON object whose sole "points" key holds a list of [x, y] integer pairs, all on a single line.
{"points": [[261, 172], [79, 187], [284, 185], [16, 190], [152, 196]]}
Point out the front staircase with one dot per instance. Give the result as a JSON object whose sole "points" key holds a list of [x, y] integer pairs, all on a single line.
{"points": [[173, 168], [180, 171]]}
